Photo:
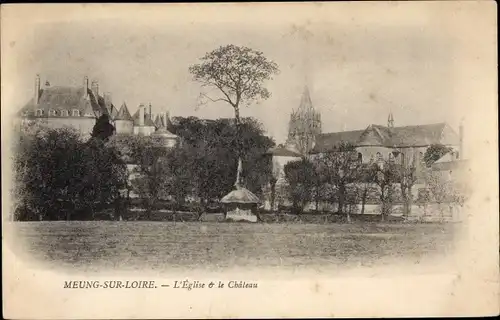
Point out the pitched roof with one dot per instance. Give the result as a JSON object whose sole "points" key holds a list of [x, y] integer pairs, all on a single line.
{"points": [[376, 135], [240, 195], [158, 121], [65, 98], [163, 132], [123, 113], [283, 152]]}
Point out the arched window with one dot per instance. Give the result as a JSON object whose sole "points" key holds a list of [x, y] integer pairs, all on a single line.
{"points": [[76, 113], [39, 112], [360, 157], [64, 113], [52, 113]]}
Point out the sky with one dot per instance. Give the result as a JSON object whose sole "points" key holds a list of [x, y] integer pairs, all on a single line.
{"points": [[358, 67]]}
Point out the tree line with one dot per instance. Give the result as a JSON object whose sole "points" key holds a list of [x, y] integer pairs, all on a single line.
{"points": [[59, 176], [341, 179]]}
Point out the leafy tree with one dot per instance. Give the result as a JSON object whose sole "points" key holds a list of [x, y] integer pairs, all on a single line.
{"points": [[237, 75], [434, 153], [366, 179], [58, 176], [340, 168], [301, 177], [149, 174], [103, 129], [385, 176], [406, 175]]}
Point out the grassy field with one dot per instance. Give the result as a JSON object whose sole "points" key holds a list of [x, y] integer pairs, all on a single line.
{"points": [[130, 245]]}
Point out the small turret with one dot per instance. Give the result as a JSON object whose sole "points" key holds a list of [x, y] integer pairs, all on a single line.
{"points": [[390, 120]]}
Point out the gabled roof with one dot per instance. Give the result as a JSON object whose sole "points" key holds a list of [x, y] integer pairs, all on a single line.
{"points": [[376, 135], [65, 98], [123, 113]]}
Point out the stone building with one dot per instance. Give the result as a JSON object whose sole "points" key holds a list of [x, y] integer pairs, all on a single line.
{"points": [[64, 106], [406, 144], [80, 107]]}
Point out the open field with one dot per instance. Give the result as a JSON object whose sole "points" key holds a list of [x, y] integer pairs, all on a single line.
{"points": [[128, 245]]}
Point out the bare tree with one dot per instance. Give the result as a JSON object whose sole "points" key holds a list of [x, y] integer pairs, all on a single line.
{"points": [[340, 168]]}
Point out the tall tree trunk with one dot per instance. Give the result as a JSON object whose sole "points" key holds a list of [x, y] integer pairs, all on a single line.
{"points": [[341, 193], [273, 195], [363, 199]]}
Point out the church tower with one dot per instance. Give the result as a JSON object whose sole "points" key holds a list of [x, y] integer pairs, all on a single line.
{"points": [[304, 125]]}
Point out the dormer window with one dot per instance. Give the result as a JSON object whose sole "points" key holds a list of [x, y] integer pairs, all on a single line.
{"points": [[379, 156], [52, 113], [76, 113], [39, 112], [64, 113]]}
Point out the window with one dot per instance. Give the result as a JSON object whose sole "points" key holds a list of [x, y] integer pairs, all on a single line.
{"points": [[64, 113], [39, 112], [52, 112], [379, 156], [360, 157], [76, 113], [458, 155], [391, 157]]}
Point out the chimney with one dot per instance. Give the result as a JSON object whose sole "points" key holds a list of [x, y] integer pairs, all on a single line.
{"points": [[141, 115], [37, 89], [85, 87], [461, 137], [107, 99], [95, 88]]}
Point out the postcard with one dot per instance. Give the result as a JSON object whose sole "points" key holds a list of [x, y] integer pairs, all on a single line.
{"points": [[249, 160]]}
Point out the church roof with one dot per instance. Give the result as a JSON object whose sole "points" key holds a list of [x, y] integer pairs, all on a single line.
{"points": [[376, 135], [123, 113], [65, 98]]}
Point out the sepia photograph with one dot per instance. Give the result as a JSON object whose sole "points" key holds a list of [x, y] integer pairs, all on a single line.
{"points": [[194, 160]]}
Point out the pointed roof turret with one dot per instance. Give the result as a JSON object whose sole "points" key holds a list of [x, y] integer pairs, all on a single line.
{"points": [[159, 121], [123, 113], [390, 120]]}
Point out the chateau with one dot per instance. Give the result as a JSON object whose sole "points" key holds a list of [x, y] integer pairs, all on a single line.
{"points": [[80, 107]]}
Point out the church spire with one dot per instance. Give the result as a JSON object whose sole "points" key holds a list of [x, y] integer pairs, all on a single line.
{"points": [[390, 120], [305, 101]]}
